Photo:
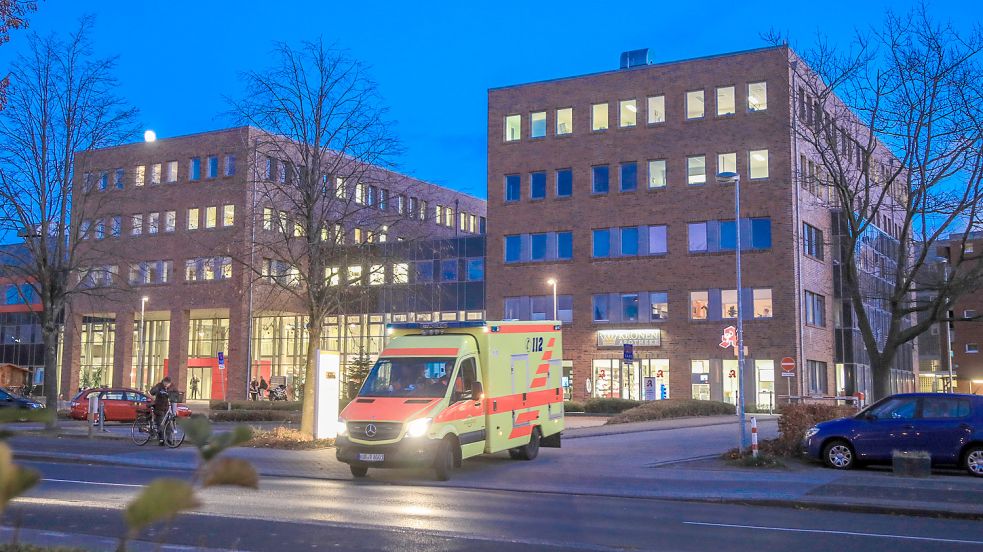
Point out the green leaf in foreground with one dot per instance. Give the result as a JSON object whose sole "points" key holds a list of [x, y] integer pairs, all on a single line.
{"points": [[161, 500], [14, 480], [230, 471]]}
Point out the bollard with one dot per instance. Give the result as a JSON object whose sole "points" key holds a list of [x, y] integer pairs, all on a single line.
{"points": [[754, 437], [102, 415], [93, 407]]}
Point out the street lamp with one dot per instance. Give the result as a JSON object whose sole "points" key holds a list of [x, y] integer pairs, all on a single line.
{"points": [[143, 308], [735, 179], [948, 332], [552, 282]]}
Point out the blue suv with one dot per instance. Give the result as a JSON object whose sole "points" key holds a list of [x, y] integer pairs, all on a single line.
{"points": [[947, 426]]}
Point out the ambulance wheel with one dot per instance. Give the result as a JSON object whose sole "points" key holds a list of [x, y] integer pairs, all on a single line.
{"points": [[443, 463], [530, 451], [359, 471]]}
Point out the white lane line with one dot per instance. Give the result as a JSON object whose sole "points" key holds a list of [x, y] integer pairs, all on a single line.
{"points": [[90, 482], [831, 532]]}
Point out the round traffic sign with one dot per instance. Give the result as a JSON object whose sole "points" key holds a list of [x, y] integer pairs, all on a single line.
{"points": [[788, 364]]}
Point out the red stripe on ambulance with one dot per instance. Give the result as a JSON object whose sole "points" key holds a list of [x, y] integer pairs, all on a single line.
{"points": [[420, 351]]}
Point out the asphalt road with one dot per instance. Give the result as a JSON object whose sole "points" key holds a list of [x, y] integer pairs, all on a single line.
{"points": [[288, 514]]}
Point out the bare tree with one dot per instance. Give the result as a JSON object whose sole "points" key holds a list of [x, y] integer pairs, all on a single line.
{"points": [[324, 185], [891, 139], [13, 15], [62, 103]]}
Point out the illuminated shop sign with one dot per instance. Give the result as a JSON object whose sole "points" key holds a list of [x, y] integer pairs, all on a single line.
{"points": [[639, 338]]}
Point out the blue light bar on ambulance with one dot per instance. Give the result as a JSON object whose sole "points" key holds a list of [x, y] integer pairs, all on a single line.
{"points": [[434, 328]]}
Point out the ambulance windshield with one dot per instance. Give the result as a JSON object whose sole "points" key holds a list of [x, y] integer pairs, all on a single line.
{"points": [[408, 377]]}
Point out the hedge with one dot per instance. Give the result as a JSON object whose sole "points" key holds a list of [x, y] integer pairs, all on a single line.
{"points": [[573, 406], [254, 416], [609, 406], [796, 419], [673, 408], [255, 405]]}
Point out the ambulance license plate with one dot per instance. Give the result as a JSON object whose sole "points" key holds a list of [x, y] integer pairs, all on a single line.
{"points": [[364, 457]]}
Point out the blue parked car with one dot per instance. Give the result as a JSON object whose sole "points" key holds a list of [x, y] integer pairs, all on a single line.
{"points": [[947, 426]]}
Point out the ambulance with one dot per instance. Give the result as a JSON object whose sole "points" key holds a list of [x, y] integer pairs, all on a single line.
{"points": [[443, 392]]}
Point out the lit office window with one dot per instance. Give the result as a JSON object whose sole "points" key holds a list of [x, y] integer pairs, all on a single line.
{"points": [[694, 104], [725, 100], [377, 275], [727, 162], [657, 173], [537, 124], [153, 223], [599, 117], [757, 96], [696, 170], [699, 304], [228, 215], [628, 113], [155, 174], [211, 217], [139, 175], [513, 128], [758, 163], [170, 221], [656, 109], [564, 121], [194, 218], [728, 303], [401, 273], [660, 305], [762, 303], [171, 171]]}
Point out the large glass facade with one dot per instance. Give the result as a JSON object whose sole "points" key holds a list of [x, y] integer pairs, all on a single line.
{"points": [[613, 378], [97, 340], [156, 342]]}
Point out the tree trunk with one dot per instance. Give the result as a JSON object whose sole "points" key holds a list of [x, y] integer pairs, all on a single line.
{"points": [[310, 379], [50, 337], [880, 369]]}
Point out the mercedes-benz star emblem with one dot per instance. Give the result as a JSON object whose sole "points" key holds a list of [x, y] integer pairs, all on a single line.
{"points": [[370, 430]]}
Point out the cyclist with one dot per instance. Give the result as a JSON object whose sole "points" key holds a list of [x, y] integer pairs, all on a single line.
{"points": [[162, 403]]}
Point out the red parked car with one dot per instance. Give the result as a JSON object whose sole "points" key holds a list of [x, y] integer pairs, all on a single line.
{"points": [[120, 404]]}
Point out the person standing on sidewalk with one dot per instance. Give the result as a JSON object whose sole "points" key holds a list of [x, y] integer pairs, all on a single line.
{"points": [[194, 387], [263, 386], [161, 404], [253, 389]]}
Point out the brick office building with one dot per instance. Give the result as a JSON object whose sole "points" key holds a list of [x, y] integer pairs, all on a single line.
{"points": [[967, 328], [606, 184], [172, 221]]}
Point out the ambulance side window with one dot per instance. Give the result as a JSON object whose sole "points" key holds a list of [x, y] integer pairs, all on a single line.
{"points": [[466, 376]]}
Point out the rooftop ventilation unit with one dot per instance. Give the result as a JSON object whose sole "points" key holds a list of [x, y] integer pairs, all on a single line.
{"points": [[634, 58]]}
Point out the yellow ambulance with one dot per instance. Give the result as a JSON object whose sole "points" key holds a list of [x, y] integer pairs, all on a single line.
{"points": [[443, 392]]}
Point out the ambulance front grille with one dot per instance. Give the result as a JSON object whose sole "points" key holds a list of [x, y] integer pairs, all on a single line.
{"points": [[383, 431]]}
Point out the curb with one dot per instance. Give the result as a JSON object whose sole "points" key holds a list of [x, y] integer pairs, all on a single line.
{"points": [[863, 508]]}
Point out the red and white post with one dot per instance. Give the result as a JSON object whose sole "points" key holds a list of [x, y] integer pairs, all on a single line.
{"points": [[754, 437]]}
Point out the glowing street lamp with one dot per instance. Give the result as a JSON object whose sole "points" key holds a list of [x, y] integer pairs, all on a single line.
{"points": [[552, 282]]}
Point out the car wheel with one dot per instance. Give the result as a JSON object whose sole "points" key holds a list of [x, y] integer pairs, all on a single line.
{"points": [[838, 455], [358, 471], [531, 450], [973, 460], [443, 463]]}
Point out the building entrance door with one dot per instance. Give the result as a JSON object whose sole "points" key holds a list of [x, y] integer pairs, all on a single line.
{"points": [[204, 383]]}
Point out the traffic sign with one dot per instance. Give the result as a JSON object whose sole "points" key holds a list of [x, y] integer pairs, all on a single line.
{"points": [[788, 367], [629, 351], [221, 360]]}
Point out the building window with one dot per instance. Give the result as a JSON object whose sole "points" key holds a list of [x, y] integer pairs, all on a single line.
{"points": [[601, 243], [972, 348], [423, 272], [564, 121], [657, 173], [100, 229], [697, 236], [599, 179], [656, 109], [537, 124], [136, 225], [211, 217], [171, 172], [628, 113], [968, 248], [448, 270], [599, 304], [694, 104], [762, 302], [116, 226], [155, 174], [377, 275], [476, 269], [230, 164], [401, 273], [513, 128], [538, 247], [758, 163], [657, 240], [537, 185], [513, 249], [629, 307], [194, 218], [969, 314], [629, 177], [728, 303], [629, 241], [696, 170], [816, 377], [513, 192], [815, 309], [599, 117], [725, 100], [194, 169], [118, 179], [699, 305], [212, 166], [660, 305], [153, 223], [170, 221], [700, 370], [564, 245], [139, 176], [727, 162], [228, 215], [812, 241], [757, 96], [564, 183]]}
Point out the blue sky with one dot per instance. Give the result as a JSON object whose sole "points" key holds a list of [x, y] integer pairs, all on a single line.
{"points": [[434, 62]]}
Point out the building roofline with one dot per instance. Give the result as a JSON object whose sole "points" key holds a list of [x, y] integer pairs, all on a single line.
{"points": [[178, 137], [641, 67]]}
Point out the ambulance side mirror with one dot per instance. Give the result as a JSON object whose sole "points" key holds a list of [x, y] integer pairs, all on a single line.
{"points": [[476, 390]]}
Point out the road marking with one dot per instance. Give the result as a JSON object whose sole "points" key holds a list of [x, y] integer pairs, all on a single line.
{"points": [[831, 532], [91, 482]]}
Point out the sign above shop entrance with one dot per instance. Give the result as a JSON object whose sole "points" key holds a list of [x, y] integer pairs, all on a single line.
{"points": [[638, 338]]}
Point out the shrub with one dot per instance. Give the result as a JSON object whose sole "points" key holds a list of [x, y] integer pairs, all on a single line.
{"points": [[763, 460], [573, 406], [609, 406], [797, 418], [255, 405], [254, 416], [286, 438], [673, 408]]}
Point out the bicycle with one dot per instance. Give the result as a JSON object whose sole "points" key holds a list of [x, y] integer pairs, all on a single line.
{"points": [[144, 428]]}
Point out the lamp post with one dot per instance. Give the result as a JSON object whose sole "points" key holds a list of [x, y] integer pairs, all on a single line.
{"points": [[735, 179], [552, 282], [948, 331], [143, 307]]}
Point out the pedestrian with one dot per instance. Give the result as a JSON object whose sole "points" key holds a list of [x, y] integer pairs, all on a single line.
{"points": [[263, 386], [161, 404], [253, 389], [194, 387]]}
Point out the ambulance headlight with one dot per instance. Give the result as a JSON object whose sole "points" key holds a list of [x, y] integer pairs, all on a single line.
{"points": [[341, 428], [418, 428]]}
